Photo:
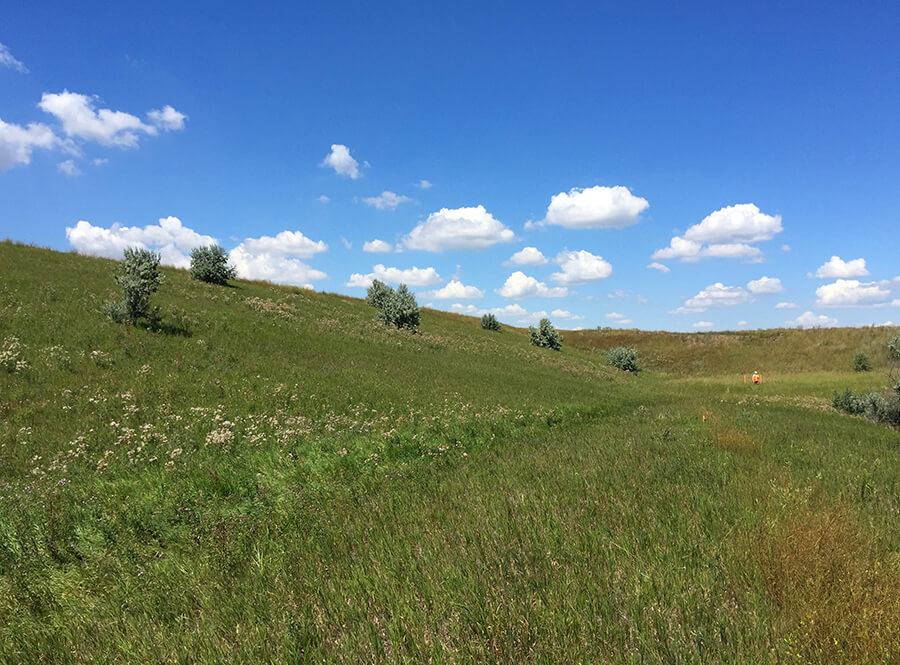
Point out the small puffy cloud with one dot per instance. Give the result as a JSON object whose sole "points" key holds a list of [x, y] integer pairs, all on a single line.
{"points": [[565, 314], [852, 293], [741, 223], [286, 243], [169, 237], [715, 295], [100, 161], [277, 259], [386, 200], [659, 266], [785, 248], [726, 233], [68, 168], [527, 256], [167, 119], [810, 320], [679, 248], [80, 119], [595, 207], [411, 276], [836, 268], [701, 325], [580, 267], [618, 293], [741, 324], [455, 290], [377, 246], [340, 160], [886, 324], [17, 143], [7, 60], [459, 228], [786, 305], [424, 184], [323, 199], [765, 285], [519, 285], [615, 316], [275, 268]]}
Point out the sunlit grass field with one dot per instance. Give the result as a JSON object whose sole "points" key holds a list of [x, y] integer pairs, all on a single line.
{"points": [[275, 477]]}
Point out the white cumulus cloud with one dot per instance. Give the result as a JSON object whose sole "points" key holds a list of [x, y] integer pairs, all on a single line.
{"points": [[169, 237], [455, 290], [565, 314], [726, 233], [68, 168], [424, 184], [459, 228], [519, 285], [167, 118], [285, 243], [7, 60], [786, 305], [17, 143], [276, 258], [411, 276], [594, 208], [386, 200], [715, 295], [80, 119], [527, 256], [377, 246], [703, 324], [580, 267], [659, 266], [836, 268], [340, 160], [765, 285], [810, 320], [852, 293]]}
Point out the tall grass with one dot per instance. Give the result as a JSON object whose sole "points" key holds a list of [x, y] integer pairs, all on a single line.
{"points": [[273, 476]]}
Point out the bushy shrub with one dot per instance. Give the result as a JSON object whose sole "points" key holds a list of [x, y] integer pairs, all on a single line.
{"points": [[874, 406], [210, 264], [894, 347], [624, 358], [490, 322], [545, 336], [138, 276], [378, 294], [398, 308], [861, 362]]}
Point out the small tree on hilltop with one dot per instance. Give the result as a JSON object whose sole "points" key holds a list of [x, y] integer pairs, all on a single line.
{"points": [[138, 276], [378, 294], [490, 322], [210, 264], [861, 362], [400, 309], [545, 336]]}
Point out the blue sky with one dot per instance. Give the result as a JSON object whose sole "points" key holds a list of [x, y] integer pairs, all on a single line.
{"points": [[526, 160]]}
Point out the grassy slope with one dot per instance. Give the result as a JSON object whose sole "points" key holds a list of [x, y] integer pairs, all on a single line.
{"points": [[278, 478], [778, 353]]}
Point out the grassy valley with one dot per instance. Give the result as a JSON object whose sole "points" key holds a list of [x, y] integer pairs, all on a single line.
{"points": [[273, 476]]}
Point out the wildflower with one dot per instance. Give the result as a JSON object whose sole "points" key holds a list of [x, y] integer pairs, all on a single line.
{"points": [[175, 453]]}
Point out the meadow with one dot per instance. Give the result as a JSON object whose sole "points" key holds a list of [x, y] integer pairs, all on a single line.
{"points": [[273, 476]]}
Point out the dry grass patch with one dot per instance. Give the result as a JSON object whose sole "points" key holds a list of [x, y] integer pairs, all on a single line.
{"points": [[734, 440], [838, 595]]}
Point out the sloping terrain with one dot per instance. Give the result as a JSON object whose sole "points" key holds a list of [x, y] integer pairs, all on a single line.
{"points": [[274, 477]]}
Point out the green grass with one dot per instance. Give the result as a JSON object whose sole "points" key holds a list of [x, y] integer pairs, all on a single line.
{"points": [[277, 478]]}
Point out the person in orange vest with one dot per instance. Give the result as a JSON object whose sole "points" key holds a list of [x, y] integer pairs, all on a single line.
{"points": [[757, 378]]}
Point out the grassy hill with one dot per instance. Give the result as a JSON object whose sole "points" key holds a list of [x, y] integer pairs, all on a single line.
{"points": [[275, 477]]}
